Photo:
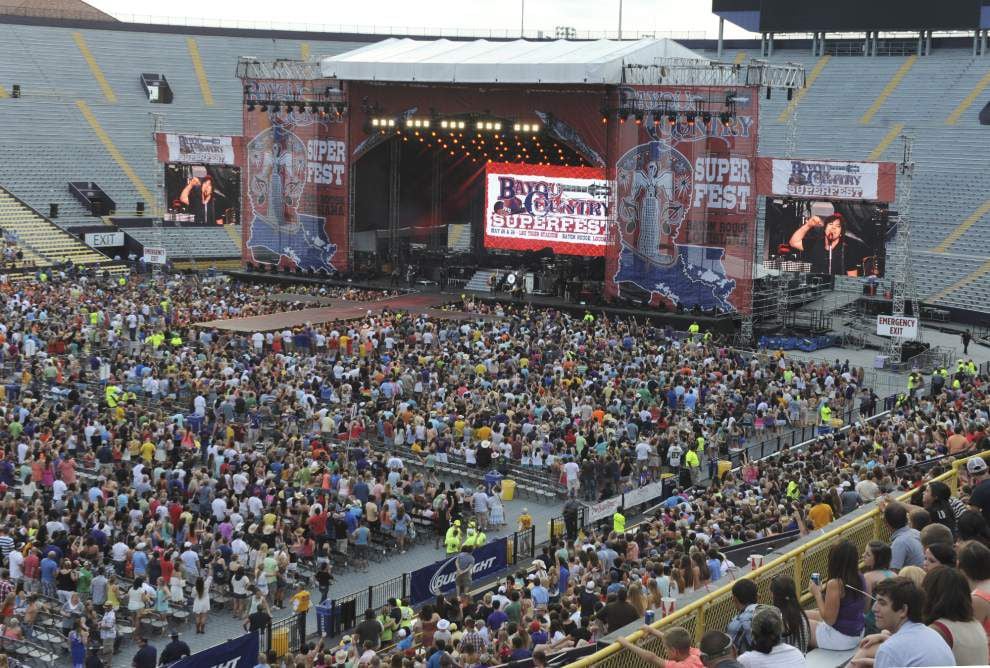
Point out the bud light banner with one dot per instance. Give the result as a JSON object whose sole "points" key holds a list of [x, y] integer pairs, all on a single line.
{"points": [[684, 228], [237, 653], [532, 207], [438, 578]]}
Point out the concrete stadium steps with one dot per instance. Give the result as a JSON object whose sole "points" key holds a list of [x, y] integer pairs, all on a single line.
{"points": [[48, 242]]}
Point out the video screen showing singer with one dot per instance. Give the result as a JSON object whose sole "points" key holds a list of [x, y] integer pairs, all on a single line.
{"points": [[823, 243], [203, 201]]}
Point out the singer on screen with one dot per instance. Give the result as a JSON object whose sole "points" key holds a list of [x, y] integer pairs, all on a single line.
{"points": [[823, 243], [199, 196]]}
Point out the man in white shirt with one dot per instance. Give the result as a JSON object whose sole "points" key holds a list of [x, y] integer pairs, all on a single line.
{"points": [[572, 471]]}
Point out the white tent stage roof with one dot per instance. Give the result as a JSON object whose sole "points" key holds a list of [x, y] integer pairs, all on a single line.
{"points": [[517, 62]]}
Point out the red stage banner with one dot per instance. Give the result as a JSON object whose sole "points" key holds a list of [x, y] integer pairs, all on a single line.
{"points": [[532, 207], [295, 201], [826, 179], [684, 229], [200, 149]]}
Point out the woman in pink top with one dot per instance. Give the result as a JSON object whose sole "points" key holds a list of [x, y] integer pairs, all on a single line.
{"points": [[974, 562]]}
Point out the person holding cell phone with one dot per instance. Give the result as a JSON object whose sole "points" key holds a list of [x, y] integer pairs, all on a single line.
{"points": [[839, 619]]}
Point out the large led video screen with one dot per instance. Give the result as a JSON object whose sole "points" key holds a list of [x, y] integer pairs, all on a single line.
{"points": [[828, 237], [532, 207], [203, 194]]}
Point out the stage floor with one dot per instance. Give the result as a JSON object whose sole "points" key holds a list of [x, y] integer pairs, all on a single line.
{"points": [[340, 310]]}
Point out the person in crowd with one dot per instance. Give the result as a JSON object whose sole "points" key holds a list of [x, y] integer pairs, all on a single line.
{"points": [[876, 567], [904, 640], [974, 563], [676, 642], [949, 610], [769, 650], [744, 596], [838, 620], [797, 628]]}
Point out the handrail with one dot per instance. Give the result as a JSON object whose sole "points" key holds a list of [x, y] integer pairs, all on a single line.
{"points": [[693, 615]]}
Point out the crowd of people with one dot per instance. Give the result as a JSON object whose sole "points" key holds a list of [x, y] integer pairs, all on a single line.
{"points": [[153, 468], [918, 599]]}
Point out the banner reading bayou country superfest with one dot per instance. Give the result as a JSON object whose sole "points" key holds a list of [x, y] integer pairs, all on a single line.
{"points": [[295, 182], [685, 207]]}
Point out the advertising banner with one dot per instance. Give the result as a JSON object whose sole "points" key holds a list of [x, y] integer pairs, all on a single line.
{"points": [[200, 149], [602, 509], [642, 494], [104, 239], [532, 207], [438, 578], [827, 179], [154, 255], [295, 202], [684, 229], [237, 653], [899, 326]]}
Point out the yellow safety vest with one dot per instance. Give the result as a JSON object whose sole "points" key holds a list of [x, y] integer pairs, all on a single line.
{"points": [[618, 522], [826, 414]]}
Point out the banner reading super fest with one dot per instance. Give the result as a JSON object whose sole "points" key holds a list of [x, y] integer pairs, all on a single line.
{"points": [[685, 205], [295, 195]]}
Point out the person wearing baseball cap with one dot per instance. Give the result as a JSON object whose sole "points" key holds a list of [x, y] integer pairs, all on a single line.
{"points": [[174, 650], [979, 477]]}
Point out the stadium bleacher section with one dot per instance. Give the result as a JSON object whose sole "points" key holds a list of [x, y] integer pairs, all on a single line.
{"points": [[80, 88]]}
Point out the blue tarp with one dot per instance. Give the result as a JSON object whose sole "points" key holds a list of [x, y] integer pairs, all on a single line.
{"points": [[808, 344]]}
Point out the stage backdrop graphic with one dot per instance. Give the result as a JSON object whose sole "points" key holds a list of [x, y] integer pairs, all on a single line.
{"points": [[295, 200], [532, 207], [684, 224]]}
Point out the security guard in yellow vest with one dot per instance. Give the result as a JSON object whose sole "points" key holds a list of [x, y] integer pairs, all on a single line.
{"points": [[618, 522], [176, 340], [971, 368], [693, 329], [914, 382], [472, 538], [588, 318], [407, 616], [452, 541], [825, 414], [112, 395], [707, 336]]}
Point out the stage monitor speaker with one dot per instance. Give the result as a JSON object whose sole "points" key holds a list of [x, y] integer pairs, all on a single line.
{"points": [[53, 210], [139, 208]]}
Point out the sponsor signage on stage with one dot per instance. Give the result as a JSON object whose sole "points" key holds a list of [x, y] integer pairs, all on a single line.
{"points": [[532, 207], [154, 255], [827, 179], [104, 239], [199, 149], [602, 509], [897, 325], [237, 653], [438, 578]]}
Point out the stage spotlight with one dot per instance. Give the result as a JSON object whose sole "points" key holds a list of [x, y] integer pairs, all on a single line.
{"points": [[639, 117], [536, 128], [726, 118], [604, 119], [426, 123], [443, 124], [489, 126], [516, 127], [690, 120], [622, 120], [497, 126], [375, 122], [409, 122], [460, 125], [481, 125], [391, 122], [672, 119]]}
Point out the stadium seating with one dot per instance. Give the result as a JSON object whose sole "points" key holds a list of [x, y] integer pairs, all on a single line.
{"points": [[40, 240], [188, 242], [81, 89]]}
